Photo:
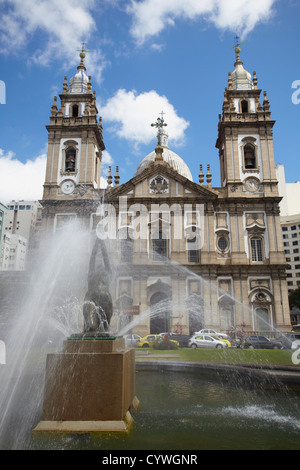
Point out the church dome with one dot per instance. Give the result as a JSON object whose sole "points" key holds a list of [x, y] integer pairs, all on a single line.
{"points": [[176, 162], [79, 83], [241, 79]]}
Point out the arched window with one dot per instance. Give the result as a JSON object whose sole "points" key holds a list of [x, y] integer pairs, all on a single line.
{"points": [[160, 313], [193, 250], [127, 250], [249, 156], [244, 106], [159, 246], [256, 249], [75, 110], [70, 160]]}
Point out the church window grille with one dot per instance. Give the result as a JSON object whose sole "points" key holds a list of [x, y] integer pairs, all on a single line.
{"points": [[127, 250], [193, 251], [159, 247], [256, 249], [222, 243]]}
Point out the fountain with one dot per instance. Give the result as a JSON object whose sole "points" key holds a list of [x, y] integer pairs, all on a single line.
{"points": [[173, 403], [90, 385]]}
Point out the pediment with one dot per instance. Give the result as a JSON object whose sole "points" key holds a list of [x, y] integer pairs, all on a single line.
{"points": [[161, 180]]}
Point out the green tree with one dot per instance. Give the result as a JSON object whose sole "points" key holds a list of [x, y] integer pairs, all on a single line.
{"points": [[294, 298]]}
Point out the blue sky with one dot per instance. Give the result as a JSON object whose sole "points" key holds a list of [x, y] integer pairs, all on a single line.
{"points": [[145, 56]]}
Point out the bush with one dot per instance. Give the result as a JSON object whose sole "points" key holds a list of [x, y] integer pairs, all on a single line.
{"points": [[165, 344]]}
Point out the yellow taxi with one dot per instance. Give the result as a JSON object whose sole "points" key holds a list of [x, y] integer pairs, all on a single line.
{"points": [[148, 341]]}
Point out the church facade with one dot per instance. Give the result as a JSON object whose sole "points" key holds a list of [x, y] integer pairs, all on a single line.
{"points": [[186, 255]]}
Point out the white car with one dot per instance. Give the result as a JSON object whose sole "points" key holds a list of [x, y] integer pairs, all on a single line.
{"points": [[211, 332], [205, 341], [131, 340], [295, 344]]}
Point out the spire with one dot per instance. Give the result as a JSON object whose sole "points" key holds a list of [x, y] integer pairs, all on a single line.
{"points": [[208, 176], [201, 175], [109, 178], [241, 79], [54, 108], [117, 177], [82, 57], [237, 50], [80, 83]]}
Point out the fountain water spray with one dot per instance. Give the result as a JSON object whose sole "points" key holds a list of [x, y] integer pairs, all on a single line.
{"points": [[52, 311], [61, 268]]}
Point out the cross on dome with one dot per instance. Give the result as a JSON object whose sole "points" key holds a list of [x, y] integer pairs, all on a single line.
{"points": [[82, 56], [237, 50], [162, 137], [80, 82], [241, 79]]}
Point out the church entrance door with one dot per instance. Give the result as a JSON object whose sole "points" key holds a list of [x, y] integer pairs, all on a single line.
{"points": [[160, 313]]}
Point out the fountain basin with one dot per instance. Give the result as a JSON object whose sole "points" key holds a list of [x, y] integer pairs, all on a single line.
{"points": [[89, 387]]}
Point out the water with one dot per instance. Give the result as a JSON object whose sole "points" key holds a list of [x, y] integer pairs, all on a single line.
{"points": [[176, 409], [183, 411], [38, 328]]}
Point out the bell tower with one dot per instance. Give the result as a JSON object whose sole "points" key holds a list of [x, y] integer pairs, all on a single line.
{"points": [[75, 142], [245, 137]]}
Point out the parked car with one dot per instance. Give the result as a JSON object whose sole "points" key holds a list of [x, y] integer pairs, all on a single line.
{"points": [[206, 341], [260, 342], [295, 344], [148, 341], [296, 328], [183, 340], [221, 339], [131, 340], [287, 339], [212, 332]]}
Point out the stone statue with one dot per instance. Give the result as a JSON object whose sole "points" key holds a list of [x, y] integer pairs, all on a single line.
{"points": [[98, 307]]}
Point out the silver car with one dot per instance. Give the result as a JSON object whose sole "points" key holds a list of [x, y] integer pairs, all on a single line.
{"points": [[295, 344], [131, 340], [205, 341]]}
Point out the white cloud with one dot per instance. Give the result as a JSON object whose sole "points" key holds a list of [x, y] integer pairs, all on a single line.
{"points": [[106, 158], [20, 180], [131, 115], [150, 17], [62, 27]]}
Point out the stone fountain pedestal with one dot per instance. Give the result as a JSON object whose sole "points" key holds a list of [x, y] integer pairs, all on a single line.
{"points": [[89, 387]]}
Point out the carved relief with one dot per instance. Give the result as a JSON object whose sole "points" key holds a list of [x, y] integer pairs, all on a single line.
{"points": [[159, 185]]}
